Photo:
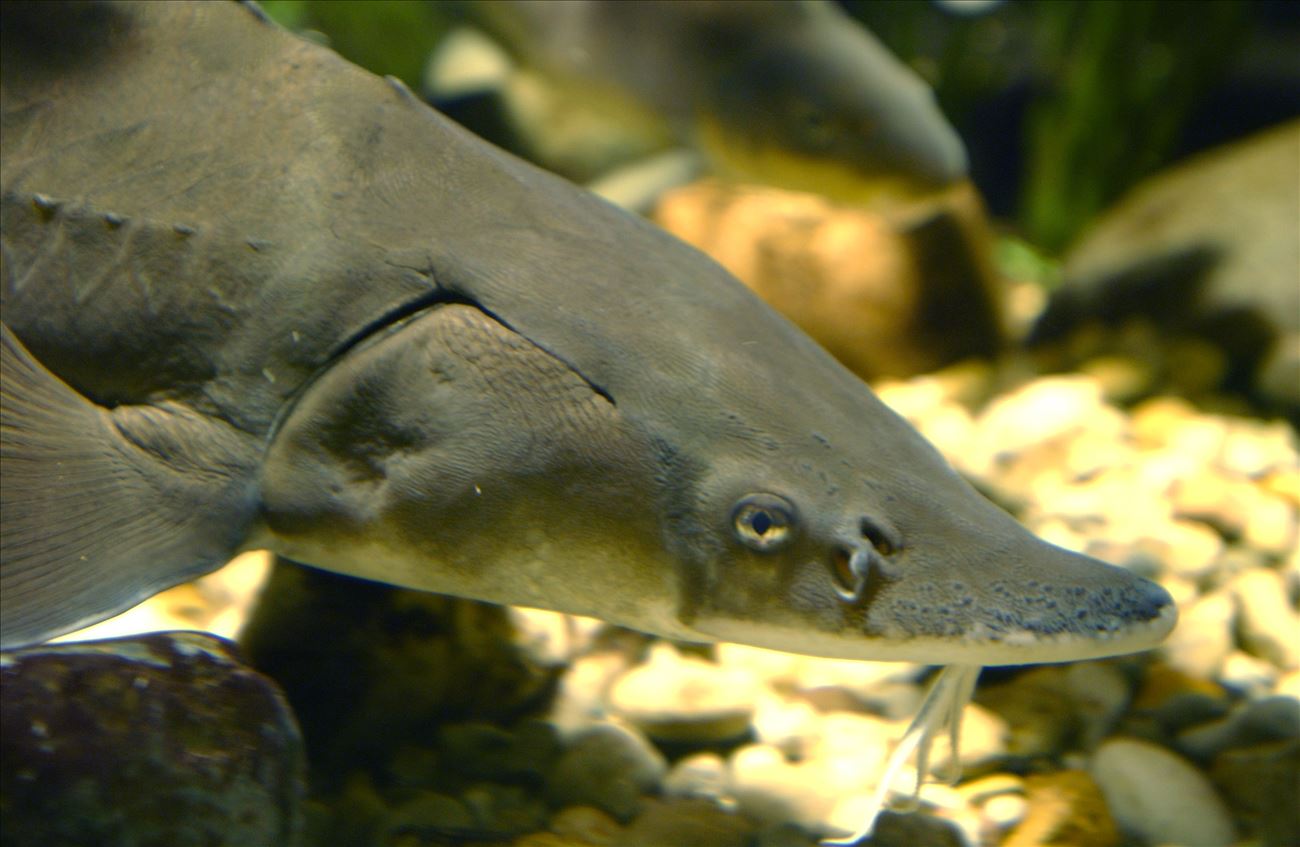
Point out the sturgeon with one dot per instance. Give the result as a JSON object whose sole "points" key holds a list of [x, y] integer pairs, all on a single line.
{"points": [[793, 94], [256, 297]]}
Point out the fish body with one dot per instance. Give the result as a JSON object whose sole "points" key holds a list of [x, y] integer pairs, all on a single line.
{"points": [[255, 297], [792, 94]]}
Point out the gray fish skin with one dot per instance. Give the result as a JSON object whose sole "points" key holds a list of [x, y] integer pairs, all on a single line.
{"points": [[260, 298], [796, 94]]}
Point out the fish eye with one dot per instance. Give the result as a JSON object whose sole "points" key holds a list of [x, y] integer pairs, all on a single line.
{"points": [[763, 522]]}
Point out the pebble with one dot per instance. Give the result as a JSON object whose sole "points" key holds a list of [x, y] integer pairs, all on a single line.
{"points": [[1160, 797], [1270, 627], [608, 766], [687, 823], [698, 775], [674, 698], [1270, 719], [587, 825], [1100, 692], [1203, 637], [1263, 782], [1038, 711], [1064, 809], [1248, 674], [428, 811]]}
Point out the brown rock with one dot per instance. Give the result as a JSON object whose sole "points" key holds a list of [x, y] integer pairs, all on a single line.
{"points": [[889, 294], [1066, 809]]}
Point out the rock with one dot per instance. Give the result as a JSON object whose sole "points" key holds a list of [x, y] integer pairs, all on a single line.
{"points": [[1256, 448], [687, 823], [772, 790], [1248, 674], [523, 753], [503, 810], [581, 699], [587, 825], [683, 699], [1065, 809], [1038, 710], [890, 293], [158, 740], [1043, 411], [1270, 627], [914, 830], [1206, 250], [1203, 637], [608, 766], [1261, 783], [1271, 719], [700, 775], [425, 816], [1158, 796], [1101, 692], [368, 668], [1177, 699]]}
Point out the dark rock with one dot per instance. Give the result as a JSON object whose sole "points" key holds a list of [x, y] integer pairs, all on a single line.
{"points": [[1260, 784], [893, 829], [371, 669], [162, 740], [687, 823]]}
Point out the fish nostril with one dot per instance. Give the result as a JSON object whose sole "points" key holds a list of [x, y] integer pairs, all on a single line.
{"points": [[846, 581], [877, 536]]}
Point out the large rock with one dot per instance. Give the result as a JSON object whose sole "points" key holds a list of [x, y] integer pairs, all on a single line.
{"points": [[1208, 251], [163, 740], [891, 292], [370, 668]]}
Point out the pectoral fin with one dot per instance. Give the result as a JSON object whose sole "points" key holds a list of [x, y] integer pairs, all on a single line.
{"points": [[101, 508]]}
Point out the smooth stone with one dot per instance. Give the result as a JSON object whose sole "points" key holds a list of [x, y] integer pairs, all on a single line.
{"points": [[391, 663], [687, 823], [1271, 524], [1101, 692], [785, 835], [1005, 810], [679, 698], [581, 700], [1159, 797], [503, 810], [1271, 719], [1270, 627], [1038, 710], [698, 775], [791, 725], [1063, 809], [486, 751], [153, 740], [1203, 637], [587, 825], [860, 281], [894, 829], [1251, 675], [772, 790], [1040, 412], [608, 766], [1254, 448], [1262, 784], [427, 813], [1214, 497]]}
